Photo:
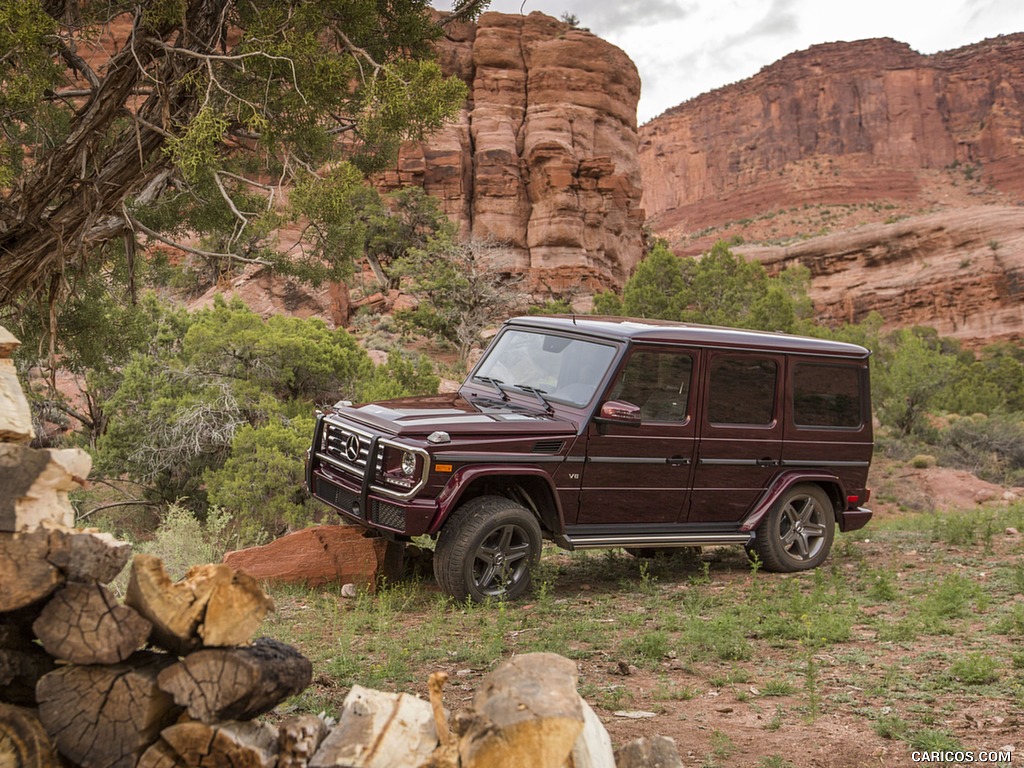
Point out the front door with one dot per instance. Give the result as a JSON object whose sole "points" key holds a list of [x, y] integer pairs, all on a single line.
{"points": [[740, 435], [641, 474]]}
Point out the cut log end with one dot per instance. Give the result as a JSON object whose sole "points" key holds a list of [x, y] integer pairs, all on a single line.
{"points": [[23, 740]]}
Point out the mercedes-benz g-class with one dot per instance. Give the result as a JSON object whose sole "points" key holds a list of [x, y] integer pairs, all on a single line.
{"points": [[611, 432]]}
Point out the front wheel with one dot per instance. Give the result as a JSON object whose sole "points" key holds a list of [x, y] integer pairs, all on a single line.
{"points": [[797, 534], [487, 548]]}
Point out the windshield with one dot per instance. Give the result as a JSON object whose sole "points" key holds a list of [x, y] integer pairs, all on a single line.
{"points": [[562, 369]]}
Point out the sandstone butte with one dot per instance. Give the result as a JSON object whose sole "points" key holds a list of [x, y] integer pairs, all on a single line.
{"points": [[544, 154]]}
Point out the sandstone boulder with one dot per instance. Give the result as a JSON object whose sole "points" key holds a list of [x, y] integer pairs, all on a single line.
{"points": [[321, 555]]}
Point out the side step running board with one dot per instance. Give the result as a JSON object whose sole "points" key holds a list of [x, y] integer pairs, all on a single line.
{"points": [[603, 541]]}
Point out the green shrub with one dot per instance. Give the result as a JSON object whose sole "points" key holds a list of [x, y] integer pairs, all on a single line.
{"points": [[992, 448], [975, 668], [183, 540]]}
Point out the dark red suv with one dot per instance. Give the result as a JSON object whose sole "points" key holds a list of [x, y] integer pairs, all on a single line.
{"points": [[611, 432]]}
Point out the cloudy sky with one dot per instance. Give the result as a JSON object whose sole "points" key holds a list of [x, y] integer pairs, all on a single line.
{"points": [[684, 48]]}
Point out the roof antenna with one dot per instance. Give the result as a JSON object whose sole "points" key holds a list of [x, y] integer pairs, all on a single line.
{"points": [[574, 318]]}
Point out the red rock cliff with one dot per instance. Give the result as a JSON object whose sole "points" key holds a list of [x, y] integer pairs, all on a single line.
{"points": [[545, 154], [896, 178], [840, 122]]}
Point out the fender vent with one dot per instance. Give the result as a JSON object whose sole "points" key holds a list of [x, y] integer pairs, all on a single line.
{"points": [[548, 446]]}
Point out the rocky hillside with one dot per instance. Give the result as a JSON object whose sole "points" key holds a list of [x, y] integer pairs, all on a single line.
{"points": [[544, 156], [838, 123], [894, 176]]}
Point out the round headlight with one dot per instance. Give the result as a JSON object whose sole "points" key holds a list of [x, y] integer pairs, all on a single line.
{"points": [[408, 464]]}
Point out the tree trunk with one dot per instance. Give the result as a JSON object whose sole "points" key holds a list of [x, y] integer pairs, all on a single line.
{"points": [[106, 716], [379, 730], [298, 740], [213, 605], [224, 745], [23, 741], [72, 201], [85, 624], [236, 683], [527, 713]]}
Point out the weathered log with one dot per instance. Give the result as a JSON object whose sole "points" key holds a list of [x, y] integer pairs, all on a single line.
{"points": [[23, 741], [649, 752], [85, 624], [527, 712], [34, 485], [26, 575], [34, 563], [593, 748], [22, 662], [213, 605], [379, 730], [298, 740], [105, 716], [88, 555], [222, 745], [236, 683]]}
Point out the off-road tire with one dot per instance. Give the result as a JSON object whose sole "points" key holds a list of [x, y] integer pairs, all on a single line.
{"points": [[472, 556], [797, 534]]}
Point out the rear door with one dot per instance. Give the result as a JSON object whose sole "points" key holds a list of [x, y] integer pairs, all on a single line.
{"points": [[641, 474], [741, 430]]}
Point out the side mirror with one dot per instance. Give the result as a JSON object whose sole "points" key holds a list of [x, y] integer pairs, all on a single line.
{"points": [[619, 412]]}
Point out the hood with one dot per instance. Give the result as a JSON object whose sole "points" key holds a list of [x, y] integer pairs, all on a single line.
{"points": [[456, 415]]}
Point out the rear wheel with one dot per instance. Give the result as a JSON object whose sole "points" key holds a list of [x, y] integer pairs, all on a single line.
{"points": [[487, 548], [798, 533]]}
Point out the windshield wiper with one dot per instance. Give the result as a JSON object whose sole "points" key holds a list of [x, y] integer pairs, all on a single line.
{"points": [[539, 394], [496, 383]]}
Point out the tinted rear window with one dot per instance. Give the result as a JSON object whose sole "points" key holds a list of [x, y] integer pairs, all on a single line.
{"points": [[826, 396], [742, 391]]}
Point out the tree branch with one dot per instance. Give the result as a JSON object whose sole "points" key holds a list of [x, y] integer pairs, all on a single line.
{"points": [[80, 65], [136, 224]]}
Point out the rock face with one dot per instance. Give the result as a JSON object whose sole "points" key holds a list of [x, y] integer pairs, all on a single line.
{"points": [[898, 175], [840, 122], [544, 156], [960, 272]]}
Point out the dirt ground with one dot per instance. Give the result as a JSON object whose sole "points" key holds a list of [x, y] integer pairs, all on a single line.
{"points": [[736, 726]]}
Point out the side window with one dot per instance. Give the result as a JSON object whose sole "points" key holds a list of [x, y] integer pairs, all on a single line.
{"points": [[659, 382], [826, 396], [742, 390]]}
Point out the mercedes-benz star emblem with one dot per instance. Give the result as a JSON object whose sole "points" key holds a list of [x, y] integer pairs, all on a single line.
{"points": [[352, 448]]}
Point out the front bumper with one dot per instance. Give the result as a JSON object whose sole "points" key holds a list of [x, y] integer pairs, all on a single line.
{"points": [[411, 517]]}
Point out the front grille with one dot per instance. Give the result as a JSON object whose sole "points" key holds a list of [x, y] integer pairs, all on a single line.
{"points": [[335, 496], [388, 515], [348, 447]]}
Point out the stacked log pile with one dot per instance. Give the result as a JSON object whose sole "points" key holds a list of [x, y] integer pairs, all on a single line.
{"points": [[172, 677]]}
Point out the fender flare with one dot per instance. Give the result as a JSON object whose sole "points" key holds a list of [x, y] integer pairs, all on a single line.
{"points": [[453, 491], [782, 483]]}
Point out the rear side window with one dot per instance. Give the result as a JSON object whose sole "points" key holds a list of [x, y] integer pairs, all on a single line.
{"points": [[826, 396], [742, 391]]}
